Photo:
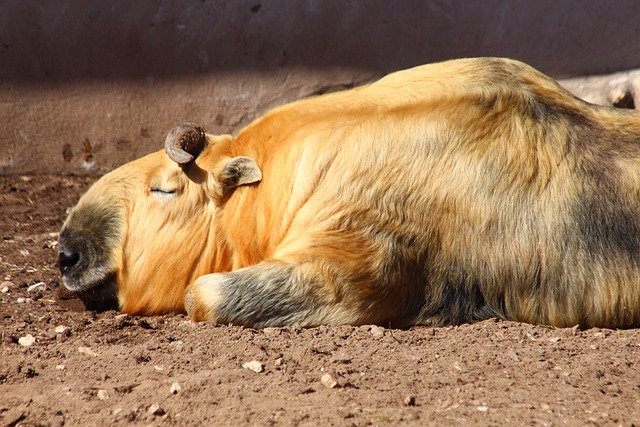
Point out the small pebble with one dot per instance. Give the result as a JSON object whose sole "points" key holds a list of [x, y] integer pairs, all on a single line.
{"points": [[377, 331], [60, 367], [410, 400], [23, 300], [4, 289], [271, 332], [24, 252], [483, 408], [175, 388], [27, 340], [279, 361], [176, 345], [62, 330], [513, 356], [340, 358], [328, 381], [40, 286], [49, 335], [103, 394], [87, 351], [254, 366], [412, 357], [155, 409]]}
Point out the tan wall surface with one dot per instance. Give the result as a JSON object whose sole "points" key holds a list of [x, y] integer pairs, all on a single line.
{"points": [[86, 86]]}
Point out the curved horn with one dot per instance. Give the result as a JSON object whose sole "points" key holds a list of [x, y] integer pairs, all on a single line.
{"points": [[185, 142]]}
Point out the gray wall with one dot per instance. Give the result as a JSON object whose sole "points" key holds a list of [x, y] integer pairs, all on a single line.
{"points": [[86, 86]]}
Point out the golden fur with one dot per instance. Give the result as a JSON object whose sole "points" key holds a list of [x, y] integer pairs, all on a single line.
{"points": [[442, 194]]}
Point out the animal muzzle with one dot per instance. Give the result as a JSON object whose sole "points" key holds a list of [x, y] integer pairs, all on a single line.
{"points": [[76, 260]]}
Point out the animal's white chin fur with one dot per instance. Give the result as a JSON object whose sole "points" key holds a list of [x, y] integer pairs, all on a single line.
{"points": [[99, 294], [92, 278]]}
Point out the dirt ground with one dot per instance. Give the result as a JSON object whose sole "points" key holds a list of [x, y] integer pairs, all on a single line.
{"points": [[60, 365]]}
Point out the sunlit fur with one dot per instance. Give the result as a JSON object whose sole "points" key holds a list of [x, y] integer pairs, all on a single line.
{"points": [[442, 194]]}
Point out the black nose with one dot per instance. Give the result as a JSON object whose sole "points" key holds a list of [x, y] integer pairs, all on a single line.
{"points": [[66, 260]]}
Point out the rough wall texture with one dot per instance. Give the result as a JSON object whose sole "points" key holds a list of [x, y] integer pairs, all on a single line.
{"points": [[86, 86]]}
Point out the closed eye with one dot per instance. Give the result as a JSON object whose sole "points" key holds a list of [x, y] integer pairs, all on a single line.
{"points": [[161, 192]]}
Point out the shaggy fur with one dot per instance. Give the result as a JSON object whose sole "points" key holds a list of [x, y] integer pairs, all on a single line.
{"points": [[442, 194]]}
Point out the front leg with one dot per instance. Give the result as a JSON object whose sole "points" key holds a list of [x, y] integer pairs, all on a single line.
{"points": [[276, 294]]}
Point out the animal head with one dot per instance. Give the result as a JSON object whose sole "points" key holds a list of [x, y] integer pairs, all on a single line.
{"points": [[145, 229]]}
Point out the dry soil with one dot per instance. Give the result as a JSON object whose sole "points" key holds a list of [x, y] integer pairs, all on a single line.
{"points": [[61, 365]]}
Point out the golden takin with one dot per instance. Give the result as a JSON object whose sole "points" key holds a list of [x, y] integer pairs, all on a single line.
{"points": [[443, 194]]}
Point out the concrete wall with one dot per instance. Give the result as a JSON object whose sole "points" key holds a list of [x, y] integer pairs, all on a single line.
{"points": [[86, 86]]}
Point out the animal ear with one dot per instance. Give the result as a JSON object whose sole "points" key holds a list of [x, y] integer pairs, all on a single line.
{"points": [[239, 171], [185, 142]]}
